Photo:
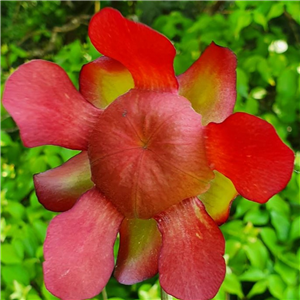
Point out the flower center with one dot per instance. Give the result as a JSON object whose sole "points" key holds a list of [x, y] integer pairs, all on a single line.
{"points": [[147, 153]]}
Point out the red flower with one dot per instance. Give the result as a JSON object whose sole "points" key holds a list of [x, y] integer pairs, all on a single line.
{"points": [[145, 158]]}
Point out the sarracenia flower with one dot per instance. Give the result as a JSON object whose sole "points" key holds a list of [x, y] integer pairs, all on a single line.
{"points": [[162, 159]]}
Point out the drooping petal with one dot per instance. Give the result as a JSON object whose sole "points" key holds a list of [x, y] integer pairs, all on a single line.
{"points": [[218, 198], [248, 151], [47, 107], [59, 188], [140, 243], [78, 248], [191, 264], [147, 54], [138, 146], [210, 84], [103, 80]]}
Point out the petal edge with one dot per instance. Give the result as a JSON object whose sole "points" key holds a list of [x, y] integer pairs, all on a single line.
{"points": [[116, 37], [248, 151]]}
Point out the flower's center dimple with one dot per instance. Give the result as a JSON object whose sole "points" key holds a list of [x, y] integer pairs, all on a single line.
{"points": [[147, 153]]}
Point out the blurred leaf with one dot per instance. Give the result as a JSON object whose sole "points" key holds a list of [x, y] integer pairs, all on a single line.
{"points": [[260, 19], [243, 206], [15, 209], [5, 139], [232, 285], [15, 272], [257, 217], [9, 255], [293, 8], [276, 10], [258, 288], [287, 83], [276, 286], [240, 19], [270, 239], [256, 253], [295, 229], [253, 274], [276, 203], [288, 274], [291, 293], [281, 224], [232, 247], [290, 259]]}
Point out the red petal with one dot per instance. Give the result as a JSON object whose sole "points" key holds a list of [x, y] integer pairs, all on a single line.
{"points": [[217, 200], [248, 151], [59, 188], [147, 54], [140, 243], [210, 84], [103, 80], [191, 265], [79, 248], [151, 146], [47, 107]]}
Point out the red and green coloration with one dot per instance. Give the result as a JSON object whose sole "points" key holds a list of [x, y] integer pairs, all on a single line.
{"points": [[162, 159]]}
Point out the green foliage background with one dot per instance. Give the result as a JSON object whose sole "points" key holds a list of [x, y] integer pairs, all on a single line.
{"points": [[262, 241]]}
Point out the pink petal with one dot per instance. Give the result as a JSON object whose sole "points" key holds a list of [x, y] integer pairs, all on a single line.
{"points": [[79, 248], [151, 146], [47, 107], [218, 198], [147, 54], [191, 264], [104, 80], [210, 84], [59, 188], [249, 152], [140, 243]]}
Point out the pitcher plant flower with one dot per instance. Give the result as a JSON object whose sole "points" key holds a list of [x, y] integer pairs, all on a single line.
{"points": [[162, 158]]}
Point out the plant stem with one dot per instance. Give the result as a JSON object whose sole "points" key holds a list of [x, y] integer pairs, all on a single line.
{"points": [[104, 294], [165, 296]]}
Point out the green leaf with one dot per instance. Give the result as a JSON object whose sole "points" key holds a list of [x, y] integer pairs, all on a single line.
{"points": [[281, 224], [232, 285], [295, 231], [276, 10], [38, 165], [243, 205], [257, 217], [258, 288], [287, 83], [260, 19], [15, 209], [9, 255], [270, 239], [293, 8], [5, 139], [288, 274], [265, 71], [40, 229], [240, 20], [291, 293], [242, 82], [15, 272], [256, 253], [232, 247], [276, 286], [290, 259], [53, 161], [276, 203], [253, 274]]}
